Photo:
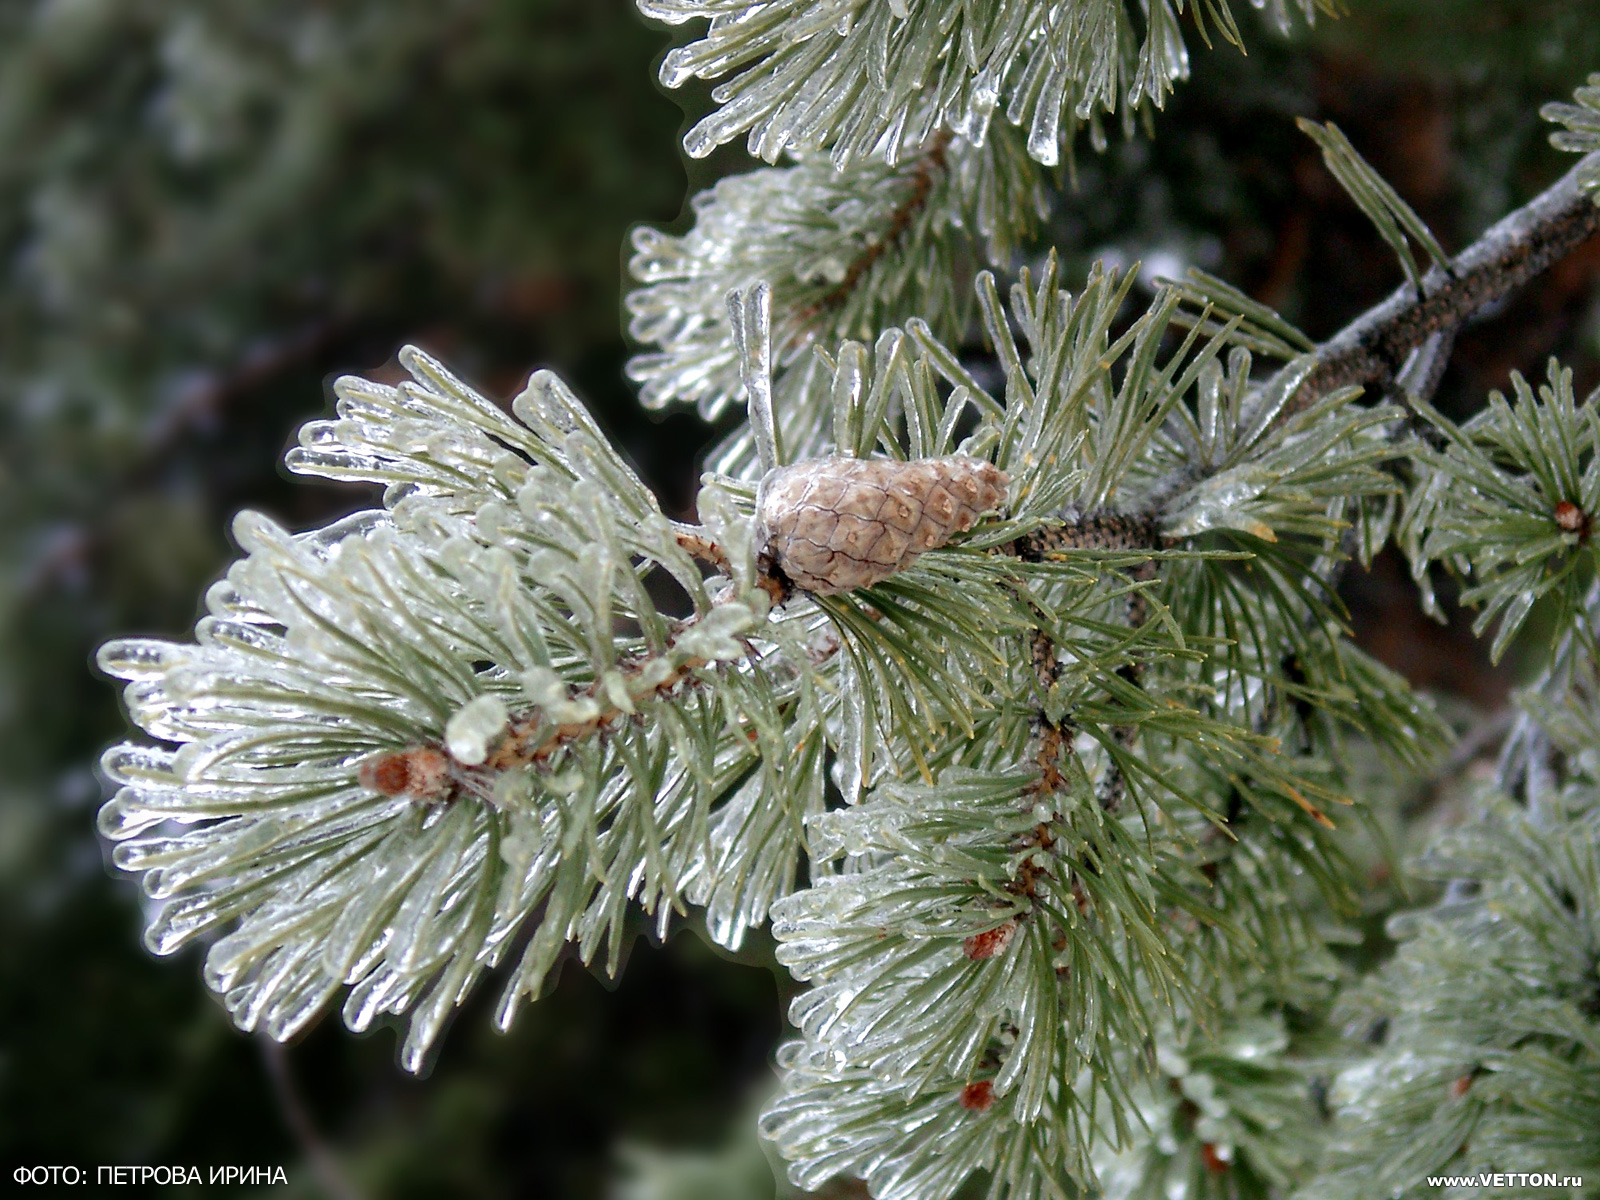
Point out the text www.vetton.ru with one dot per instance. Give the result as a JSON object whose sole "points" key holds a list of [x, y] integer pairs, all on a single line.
{"points": [[1507, 1179]]}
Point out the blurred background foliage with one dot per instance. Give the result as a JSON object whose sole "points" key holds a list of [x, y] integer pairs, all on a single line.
{"points": [[208, 208]]}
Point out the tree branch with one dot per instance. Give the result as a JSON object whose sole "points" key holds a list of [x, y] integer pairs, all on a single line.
{"points": [[1371, 351], [1377, 350], [932, 162], [1090, 531], [324, 1163]]}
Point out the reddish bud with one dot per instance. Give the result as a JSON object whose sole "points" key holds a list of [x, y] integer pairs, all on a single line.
{"points": [[1215, 1163], [1572, 519], [989, 943], [1460, 1087], [387, 775], [977, 1097], [422, 773]]}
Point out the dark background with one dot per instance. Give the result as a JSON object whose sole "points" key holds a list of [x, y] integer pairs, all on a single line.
{"points": [[209, 208]]}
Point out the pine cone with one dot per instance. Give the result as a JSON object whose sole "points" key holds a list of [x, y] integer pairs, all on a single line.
{"points": [[832, 524]]}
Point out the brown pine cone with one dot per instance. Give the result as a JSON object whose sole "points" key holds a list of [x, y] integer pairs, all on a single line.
{"points": [[832, 524]]}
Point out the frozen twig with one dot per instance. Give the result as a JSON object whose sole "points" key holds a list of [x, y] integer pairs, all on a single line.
{"points": [[1372, 350]]}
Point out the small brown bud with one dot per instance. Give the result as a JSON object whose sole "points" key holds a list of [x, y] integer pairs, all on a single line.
{"points": [[990, 942], [422, 773], [977, 1097], [833, 524], [1215, 1163], [1460, 1087], [1572, 519]]}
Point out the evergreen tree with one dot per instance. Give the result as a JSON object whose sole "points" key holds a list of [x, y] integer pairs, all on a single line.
{"points": [[1005, 675]]}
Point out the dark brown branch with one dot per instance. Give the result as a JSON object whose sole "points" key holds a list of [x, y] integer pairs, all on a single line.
{"points": [[1109, 531], [1095, 531], [1374, 350], [698, 546], [1370, 351], [428, 772], [324, 1163], [927, 169], [531, 740]]}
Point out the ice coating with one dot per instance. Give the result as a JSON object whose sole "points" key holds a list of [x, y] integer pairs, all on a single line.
{"points": [[833, 524]]}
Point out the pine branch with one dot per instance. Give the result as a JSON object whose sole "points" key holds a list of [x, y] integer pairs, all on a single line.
{"points": [[432, 771], [846, 254], [919, 65], [1094, 531], [1371, 351], [531, 740], [1506, 501], [928, 168]]}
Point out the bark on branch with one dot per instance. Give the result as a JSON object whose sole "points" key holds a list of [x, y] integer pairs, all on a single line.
{"points": [[1372, 349]]}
